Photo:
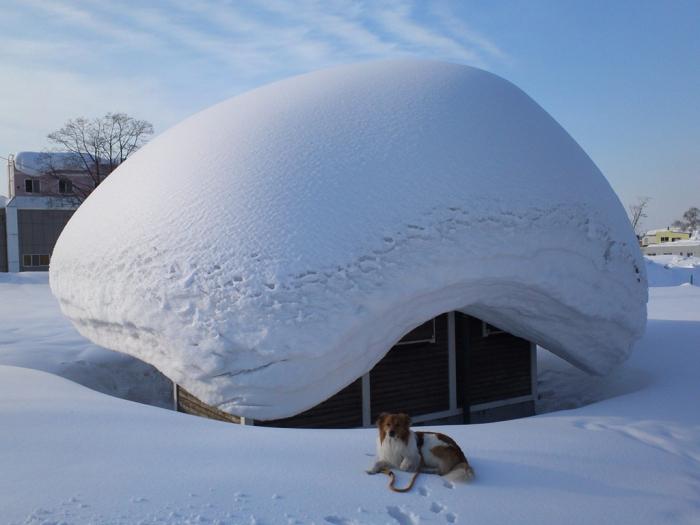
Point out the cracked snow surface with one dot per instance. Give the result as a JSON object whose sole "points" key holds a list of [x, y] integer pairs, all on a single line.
{"points": [[281, 242]]}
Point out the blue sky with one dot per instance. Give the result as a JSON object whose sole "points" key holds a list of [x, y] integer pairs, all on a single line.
{"points": [[623, 78]]}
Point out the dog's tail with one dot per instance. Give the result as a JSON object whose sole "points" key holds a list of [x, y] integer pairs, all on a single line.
{"points": [[461, 472]]}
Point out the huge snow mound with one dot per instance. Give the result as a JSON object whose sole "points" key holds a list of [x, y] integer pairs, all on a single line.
{"points": [[269, 250]]}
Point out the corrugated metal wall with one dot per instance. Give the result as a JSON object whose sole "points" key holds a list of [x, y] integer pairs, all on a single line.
{"points": [[38, 232], [3, 241]]}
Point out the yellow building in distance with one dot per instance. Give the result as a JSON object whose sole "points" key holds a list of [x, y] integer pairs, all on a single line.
{"points": [[663, 235]]}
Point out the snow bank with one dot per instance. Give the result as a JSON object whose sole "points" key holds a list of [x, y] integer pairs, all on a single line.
{"points": [[268, 251], [672, 270], [34, 334], [70, 455]]}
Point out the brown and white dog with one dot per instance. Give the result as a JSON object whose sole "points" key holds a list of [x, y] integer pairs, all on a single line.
{"points": [[400, 447]]}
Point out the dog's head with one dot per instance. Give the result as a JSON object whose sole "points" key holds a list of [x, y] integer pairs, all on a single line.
{"points": [[396, 426]]}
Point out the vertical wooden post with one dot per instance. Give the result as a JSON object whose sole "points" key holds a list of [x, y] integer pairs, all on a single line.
{"points": [[366, 402], [533, 370], [452, 359], [176, 401]]}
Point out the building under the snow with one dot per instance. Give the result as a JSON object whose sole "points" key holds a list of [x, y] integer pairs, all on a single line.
{"points": [[454, 368], [386, 236]]}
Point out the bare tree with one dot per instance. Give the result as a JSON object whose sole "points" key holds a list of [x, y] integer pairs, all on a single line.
{"points": [[637, 213], [690, 221], [97, 147]]}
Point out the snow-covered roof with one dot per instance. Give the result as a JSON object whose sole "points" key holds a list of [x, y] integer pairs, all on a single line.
{"points": [[662, 230], [37, 162], [310, 223]]}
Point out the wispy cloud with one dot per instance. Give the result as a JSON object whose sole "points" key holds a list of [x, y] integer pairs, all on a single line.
{"points": [[396, 18], [462, 32], [162, 61], [83, 19]]}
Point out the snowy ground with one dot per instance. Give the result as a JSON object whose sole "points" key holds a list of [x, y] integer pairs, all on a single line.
{"points": [[72, 455], [34, 334], [672, 270]]}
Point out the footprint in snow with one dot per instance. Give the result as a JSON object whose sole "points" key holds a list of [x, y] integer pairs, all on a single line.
{"points": [[451, 517], [339, 520], [436, 507], [402, 516]]}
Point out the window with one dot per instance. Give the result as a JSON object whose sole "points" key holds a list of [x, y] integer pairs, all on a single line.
{"points": [[65, 186], [488, 329], [30, 260], [664, 239], [32, 186], [424, 333]]}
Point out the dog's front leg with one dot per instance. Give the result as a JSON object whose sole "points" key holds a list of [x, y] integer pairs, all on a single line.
{"points": [[408, 465], [379, 466]]}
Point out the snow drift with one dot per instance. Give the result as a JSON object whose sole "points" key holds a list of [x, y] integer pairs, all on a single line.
{"points": [[269, 250]]}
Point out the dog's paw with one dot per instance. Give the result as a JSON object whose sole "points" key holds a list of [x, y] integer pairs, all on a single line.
{"points": [[407, 465]]}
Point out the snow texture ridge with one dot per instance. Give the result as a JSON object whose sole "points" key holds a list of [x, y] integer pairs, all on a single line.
{"points": [[268, 251]]}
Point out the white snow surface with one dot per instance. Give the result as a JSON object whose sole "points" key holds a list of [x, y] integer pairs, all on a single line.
{"points": [[268, 251], [672, 270], [73, 456]]}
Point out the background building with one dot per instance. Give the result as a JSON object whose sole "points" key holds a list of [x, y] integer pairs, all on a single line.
{"points": [[663, 235], [41, 200], [683, 248]]}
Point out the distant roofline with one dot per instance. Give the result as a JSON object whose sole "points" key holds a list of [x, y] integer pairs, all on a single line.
{"points": [[660, 230], [28, 162]]}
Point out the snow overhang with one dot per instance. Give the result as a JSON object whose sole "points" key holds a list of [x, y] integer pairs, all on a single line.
{"points": [[268, 251]]}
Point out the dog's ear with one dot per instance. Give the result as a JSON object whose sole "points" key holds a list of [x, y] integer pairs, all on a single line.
{"points": [[381, 419], [406, 419]]}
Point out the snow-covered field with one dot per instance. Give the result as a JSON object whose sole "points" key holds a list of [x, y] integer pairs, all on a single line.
{"points": [[69, 454], [672, 270]]}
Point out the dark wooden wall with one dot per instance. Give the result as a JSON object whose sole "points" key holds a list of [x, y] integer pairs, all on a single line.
{"points": [[188, 403], [495, 367], [412, 377], [342, 410]]}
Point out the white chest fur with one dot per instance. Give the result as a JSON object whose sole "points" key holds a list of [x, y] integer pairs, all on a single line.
{"points": [[394, 451]]}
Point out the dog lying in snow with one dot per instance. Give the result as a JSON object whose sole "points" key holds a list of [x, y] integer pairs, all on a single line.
{"points": [[400, 447]]}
